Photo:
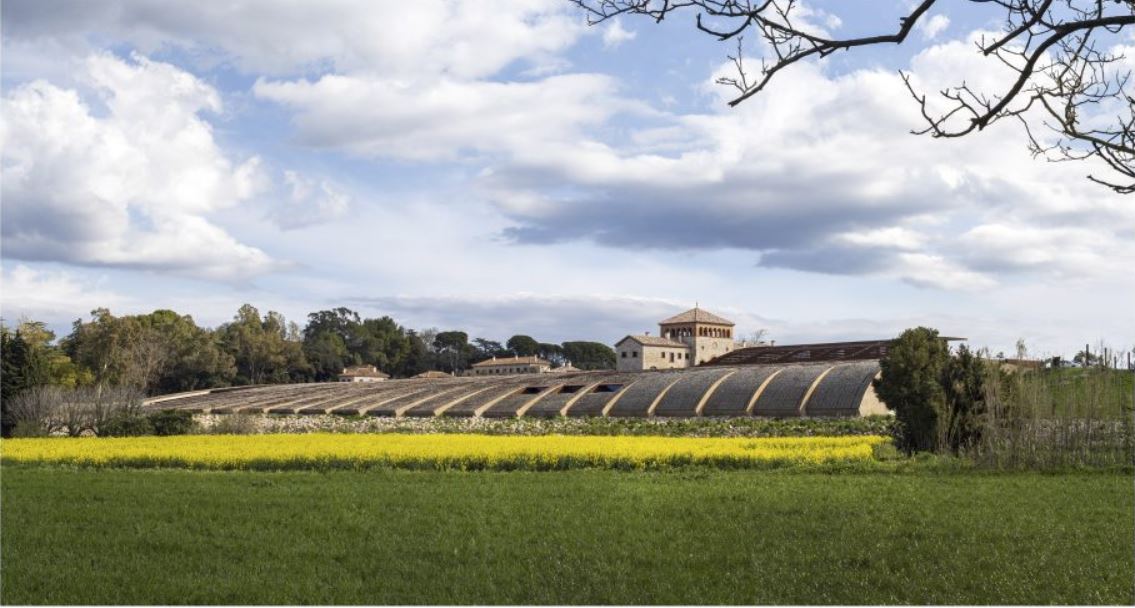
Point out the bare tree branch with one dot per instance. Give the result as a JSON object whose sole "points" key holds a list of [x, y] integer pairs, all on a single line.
{"points": [[1062, 81]]}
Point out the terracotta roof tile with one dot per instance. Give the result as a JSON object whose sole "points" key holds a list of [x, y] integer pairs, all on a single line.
{"points": [[511, 361], [434, 374], [368, 371], [654, 341], [696, 315]]}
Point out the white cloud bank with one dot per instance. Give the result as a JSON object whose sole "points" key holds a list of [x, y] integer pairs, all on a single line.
{"points": [[51, 294], [128, 182], [395, 39]]}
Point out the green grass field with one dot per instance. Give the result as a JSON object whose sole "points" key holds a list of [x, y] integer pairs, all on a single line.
{"points": [[574, 537]]}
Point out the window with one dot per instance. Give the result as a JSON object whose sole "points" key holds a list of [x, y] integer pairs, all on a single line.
{"points": [[624, 354], [634, 354]]}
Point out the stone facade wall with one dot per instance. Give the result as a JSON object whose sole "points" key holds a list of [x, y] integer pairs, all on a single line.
{"points": [[628, 356], [639, 357], [665, 357], [706, 349]]}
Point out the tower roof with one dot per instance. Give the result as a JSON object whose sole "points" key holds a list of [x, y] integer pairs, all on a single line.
{"points": [[696, 315]]}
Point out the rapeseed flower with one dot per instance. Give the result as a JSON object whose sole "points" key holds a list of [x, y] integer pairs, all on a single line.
{"points": [[437, 451]]}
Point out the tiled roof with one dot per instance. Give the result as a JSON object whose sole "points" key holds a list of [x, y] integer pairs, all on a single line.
{"points": [[654, 341], [512, 361], [433, 373], [368, 371], [696, 315]]}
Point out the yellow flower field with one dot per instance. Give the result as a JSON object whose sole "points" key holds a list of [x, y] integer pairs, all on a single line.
{"points": [[436, 451]]}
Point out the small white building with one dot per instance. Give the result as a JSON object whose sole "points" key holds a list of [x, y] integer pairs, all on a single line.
{"points": [[510, 365], [687, 339], [362, 373]]}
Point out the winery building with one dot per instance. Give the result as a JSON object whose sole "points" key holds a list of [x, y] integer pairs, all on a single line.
{"points": [[684, 340]]}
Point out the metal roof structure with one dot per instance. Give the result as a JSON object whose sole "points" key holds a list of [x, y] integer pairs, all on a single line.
{"points": [[805, 353], [823, 389]]}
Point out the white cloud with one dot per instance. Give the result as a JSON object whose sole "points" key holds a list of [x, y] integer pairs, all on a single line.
{"points": [[424, 38], [51, 294], [309, 202], [445, 119], [1060, 251], [893, 236], [930, 28], [126, 184], [821, 174], [615, 35]]}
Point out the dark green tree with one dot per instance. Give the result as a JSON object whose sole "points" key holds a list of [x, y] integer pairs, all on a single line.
{"points": [[911, 385], [190, 357], [485, 349], [552, 353], [453, 350], [261, 347], [111, 348], [589, 355], [419, 358], [523, 346], [383, 343], [13, 361], [964, 384], [327, 354], [331, 341]]}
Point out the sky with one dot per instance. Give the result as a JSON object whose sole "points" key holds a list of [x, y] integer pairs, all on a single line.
{"points": [[503, 167]]}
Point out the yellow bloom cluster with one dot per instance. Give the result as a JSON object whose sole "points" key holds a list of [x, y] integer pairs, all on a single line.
{"points": [[436, 451]]}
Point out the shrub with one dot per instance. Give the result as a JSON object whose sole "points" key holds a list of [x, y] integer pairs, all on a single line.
{"points": [[911, 385], [126, 424], [171, 422], [27, 428], [235, 424]]}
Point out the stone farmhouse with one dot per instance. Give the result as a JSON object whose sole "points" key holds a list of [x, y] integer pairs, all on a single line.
{"points": [[685, 340], [362, 373]]}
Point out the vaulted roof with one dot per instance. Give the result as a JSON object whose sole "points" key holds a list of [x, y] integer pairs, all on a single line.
{"points": [[696, 315]]}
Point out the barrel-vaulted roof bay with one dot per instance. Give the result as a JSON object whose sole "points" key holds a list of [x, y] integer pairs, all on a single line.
{"points": [[811, 389]]}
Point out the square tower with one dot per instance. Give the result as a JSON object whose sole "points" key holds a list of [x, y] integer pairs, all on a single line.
{"points": [[708, 335]]}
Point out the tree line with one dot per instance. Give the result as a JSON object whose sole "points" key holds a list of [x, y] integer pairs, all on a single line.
{"points": [[166, 352]]}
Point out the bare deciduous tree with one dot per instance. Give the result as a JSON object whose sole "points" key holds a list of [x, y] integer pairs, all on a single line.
{"points": [[36, 410], [52, 409], [1069, 86]]}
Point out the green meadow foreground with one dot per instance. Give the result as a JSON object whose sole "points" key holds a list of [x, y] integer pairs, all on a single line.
{"points": [[687, 535]]}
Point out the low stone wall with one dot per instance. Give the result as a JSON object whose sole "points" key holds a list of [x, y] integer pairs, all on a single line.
{"points": [[694, 427]]}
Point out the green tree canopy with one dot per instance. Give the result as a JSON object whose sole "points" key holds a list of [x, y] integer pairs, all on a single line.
{"points": [[261, 347], [523, 346], [589, 355], [911, 385]]}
